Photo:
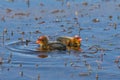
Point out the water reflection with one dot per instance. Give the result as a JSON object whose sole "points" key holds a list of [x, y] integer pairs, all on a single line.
{"points": [[31, 48], [42, 55], [28, 3]]}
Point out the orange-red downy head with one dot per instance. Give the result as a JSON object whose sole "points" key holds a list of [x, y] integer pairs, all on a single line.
{"points": [[41, 39]]}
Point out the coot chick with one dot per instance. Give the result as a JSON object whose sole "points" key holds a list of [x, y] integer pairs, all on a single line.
{"points": [[71, 42], [46, 45]]}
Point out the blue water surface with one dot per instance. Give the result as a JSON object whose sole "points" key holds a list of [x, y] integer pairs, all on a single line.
{"points": [[96, 21]]}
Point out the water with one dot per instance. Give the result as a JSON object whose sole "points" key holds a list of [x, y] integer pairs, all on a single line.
{"points": [[29, 20]]}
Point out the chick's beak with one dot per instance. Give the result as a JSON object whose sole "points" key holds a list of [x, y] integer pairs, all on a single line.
{"points": [[80, 39], [37, 42]]}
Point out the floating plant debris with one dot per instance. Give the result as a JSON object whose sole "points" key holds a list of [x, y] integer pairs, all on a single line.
{"points": [[21, 73], [10, 0], [97, 76], [96, 20], [5, 30], [1, 60], [20, 65], [27, 41], [22, 14], [3, 19], [41, 4], [110, 17], [38, 78], [68, 4], [55, 11], [42, 22], [36, 65], [8, 10], [85, 3], [37, 31], [117, 60], [84, 74]]}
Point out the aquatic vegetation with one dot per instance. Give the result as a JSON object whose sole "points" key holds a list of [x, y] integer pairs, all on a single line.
{"points": [[8, 10], [1, 60], [21, 73], [117, 60], [96, 20]]}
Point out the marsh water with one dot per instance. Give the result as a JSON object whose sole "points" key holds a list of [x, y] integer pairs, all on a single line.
{"points": [[96, 21]]}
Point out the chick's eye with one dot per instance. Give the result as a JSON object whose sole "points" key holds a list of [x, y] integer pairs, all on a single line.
{"points": [[39, 39], [78, 38]]}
